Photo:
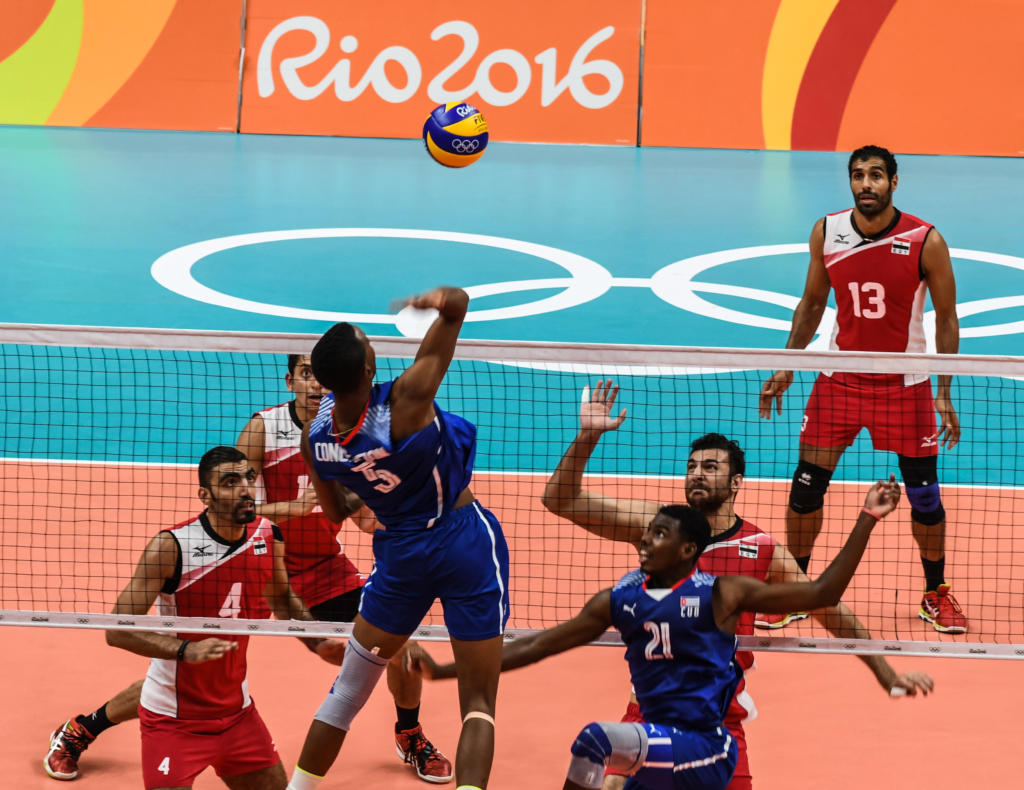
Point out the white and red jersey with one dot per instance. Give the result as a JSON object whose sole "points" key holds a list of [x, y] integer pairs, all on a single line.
{"points": [[742, 550], [879, 287], [317, 566], [214, 578]]}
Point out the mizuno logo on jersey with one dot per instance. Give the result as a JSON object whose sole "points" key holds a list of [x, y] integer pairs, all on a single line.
{"points": [[259, 546], [900, 246], [930, 441], [689, 606], [841, 238], [748, 550], [202, 551], [284, 433]]}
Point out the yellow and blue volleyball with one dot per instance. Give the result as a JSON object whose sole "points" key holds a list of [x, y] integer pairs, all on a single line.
{"points": [[455, 134]]}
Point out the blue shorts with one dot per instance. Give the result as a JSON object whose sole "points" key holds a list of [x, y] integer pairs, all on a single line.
{"points": [[685, 759], [462, 559]]}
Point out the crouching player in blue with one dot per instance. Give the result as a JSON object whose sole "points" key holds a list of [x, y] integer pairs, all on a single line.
{"points": [[390, 446], [678, 624]]}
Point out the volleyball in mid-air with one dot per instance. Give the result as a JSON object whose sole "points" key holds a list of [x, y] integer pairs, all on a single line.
{"points": [[455, 134]]}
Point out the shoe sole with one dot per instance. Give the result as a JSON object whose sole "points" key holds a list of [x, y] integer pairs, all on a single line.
{"points": [[942, 629], [780, 624], [437, 780], [46, 764]]}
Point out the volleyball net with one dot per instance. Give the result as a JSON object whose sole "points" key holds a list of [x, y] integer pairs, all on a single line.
{"points": [[102, 430]]}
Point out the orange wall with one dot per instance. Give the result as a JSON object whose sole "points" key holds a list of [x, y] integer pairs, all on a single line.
{"points": [[918, 76]]}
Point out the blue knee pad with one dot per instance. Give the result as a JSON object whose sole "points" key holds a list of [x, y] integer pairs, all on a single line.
{"points": [[359, 673], [618, 745], [810, 482], [920, 476]]}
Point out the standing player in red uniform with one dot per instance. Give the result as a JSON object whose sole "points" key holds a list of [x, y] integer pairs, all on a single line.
{"points": [[196, 710], [879, 262], [714, 474], [319, 572]]}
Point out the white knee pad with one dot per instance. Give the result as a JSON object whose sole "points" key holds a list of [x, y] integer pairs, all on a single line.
{"points": [[360, 671], [618, 745]]}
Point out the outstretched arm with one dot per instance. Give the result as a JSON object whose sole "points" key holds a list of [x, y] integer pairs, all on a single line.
{"points": [[592, 621], [938, 273], [157, 564], [842, 623], [564, 495], [412, 396], [806, 318], [735, 594]]}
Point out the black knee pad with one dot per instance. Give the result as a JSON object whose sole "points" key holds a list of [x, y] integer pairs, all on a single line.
{"points": [[921, 479], [810, 482]]}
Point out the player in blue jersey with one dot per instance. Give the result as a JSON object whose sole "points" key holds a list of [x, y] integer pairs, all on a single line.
{"points": [[410, 462], [678, 624]]}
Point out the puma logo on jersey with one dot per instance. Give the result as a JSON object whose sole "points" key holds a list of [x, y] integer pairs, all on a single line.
{"points": [[631, 609], [900, 246], [202, 551], [689, 606]]}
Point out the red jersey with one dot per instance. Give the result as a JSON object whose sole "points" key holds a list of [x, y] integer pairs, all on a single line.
{"points": [[879, 287], [317, 566], [214, 578], [742, 550]]}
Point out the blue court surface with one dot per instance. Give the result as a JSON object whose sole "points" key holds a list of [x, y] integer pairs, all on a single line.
{"points": [[555, 243]]}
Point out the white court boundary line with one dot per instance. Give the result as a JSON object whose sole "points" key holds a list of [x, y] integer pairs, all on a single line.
{"points": [[437, 633]]}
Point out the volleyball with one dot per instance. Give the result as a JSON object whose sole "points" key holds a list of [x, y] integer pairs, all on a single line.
{"points": [[455, 134]]}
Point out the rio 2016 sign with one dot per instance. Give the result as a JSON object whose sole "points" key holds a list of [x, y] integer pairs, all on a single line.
{"points": [[376, 73]]}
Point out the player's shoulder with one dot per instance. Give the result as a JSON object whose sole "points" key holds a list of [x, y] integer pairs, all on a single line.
{"points": [[635, 578]]}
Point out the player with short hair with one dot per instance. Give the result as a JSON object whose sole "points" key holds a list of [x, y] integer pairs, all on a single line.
{"points": [[714, 476], [880, 262], [195, 708], [411, 463], [678, 623], [318, 569]]}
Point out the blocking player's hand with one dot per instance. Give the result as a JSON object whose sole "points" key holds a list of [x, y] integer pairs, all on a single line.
{"points": [[307, 501], [949, 423], [882, 497], [210, 649], [909, 683], [776, 384], [331, 650], [596, 407]]}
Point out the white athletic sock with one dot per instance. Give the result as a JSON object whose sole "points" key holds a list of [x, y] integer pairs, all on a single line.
{"points": [[304, 780]]}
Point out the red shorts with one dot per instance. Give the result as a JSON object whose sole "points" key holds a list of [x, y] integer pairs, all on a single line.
{"points": [[176, 751], [900, 419], [741, 778]]}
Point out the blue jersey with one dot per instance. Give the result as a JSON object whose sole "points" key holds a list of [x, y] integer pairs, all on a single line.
{"points": [[682, 665], [408, 486]]}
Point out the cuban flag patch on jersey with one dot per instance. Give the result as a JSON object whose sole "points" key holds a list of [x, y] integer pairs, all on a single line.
{"points": [[259, 546], [689, 606], [900, 246]]}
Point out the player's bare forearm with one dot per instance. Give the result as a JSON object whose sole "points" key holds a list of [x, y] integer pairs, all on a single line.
{"points": [[566, 482], [842, 623], [806, 319], [145, 643]]}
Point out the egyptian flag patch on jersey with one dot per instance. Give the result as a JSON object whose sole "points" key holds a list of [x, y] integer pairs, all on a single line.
{"points": [[259, 546], [748, 550], [900, 246]]}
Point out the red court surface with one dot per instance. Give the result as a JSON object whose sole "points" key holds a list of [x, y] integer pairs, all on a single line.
{"points": [[823, 720]]}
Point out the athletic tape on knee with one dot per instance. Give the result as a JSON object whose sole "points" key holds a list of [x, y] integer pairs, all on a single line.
{"points": [[360, 671], [810, 482], [478, 714], [921, 478], [618, 745]]}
